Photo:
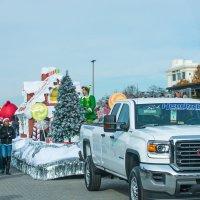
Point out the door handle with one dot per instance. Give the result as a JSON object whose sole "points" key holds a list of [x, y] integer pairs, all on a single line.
{"points": [[112, 137], [103, 135]]}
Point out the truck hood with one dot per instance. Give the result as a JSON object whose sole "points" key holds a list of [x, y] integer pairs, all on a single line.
{"points": [[166, 132]]}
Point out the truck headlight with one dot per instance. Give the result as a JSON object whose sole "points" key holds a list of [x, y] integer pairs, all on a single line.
{"points": [[158, 147]]}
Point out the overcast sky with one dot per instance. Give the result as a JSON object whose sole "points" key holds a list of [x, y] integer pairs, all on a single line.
{"points": [[133, 41]]}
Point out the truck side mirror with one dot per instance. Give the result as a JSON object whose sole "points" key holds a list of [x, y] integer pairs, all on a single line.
{"points": [[110, 123]]}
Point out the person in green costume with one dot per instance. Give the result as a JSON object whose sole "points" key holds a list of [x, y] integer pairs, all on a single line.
{"points": [[88, 102]]}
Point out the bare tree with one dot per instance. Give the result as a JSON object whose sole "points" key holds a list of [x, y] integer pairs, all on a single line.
{"points": [[155, 91], [101, 102], [131, 91]]}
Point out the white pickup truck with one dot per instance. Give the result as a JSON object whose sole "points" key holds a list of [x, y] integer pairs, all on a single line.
{"points": [[154, 144]]}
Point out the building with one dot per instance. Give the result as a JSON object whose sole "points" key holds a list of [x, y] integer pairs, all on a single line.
{"points": [[181, 70], [180, 77]]}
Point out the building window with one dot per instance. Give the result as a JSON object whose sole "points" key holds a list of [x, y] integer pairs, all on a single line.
{"points": [[179, 76], [183, 75], [174, 77]]}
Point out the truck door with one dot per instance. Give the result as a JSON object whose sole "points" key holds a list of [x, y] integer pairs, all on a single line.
{"points": [[118, 142], [97, 146], [105, 141]]}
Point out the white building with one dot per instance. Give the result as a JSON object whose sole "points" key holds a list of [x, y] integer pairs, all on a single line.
{"points": [[180, 69]]}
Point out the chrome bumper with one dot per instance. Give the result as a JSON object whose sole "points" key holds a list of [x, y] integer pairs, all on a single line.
{"points": [[172, 182]]}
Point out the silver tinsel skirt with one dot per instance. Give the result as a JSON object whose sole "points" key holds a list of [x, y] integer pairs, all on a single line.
{"points": [[51, 170]]}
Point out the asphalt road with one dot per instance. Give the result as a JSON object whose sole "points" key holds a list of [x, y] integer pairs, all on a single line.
{"points": [[19, 186]]}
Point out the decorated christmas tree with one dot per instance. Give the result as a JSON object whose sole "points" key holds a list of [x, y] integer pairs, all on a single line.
{"points": [[68, 114]]}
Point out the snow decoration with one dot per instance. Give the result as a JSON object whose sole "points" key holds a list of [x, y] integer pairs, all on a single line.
{"points": [[31, 87], [46, 161], [78, 87]]}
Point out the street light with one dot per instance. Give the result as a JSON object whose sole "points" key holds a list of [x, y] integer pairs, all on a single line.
{"points": [[93, 61]]}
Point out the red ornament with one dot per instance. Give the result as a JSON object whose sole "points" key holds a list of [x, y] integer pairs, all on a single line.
{"points": [[8, 110]]}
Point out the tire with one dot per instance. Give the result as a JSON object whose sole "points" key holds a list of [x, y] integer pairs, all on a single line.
{"points": [[135, 185], [92, 179]]}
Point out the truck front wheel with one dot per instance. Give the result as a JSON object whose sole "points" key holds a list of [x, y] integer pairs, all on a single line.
{"points": [[92, 179], [135, 186]]}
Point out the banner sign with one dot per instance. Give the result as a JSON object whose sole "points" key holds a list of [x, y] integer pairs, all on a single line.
{"points": [[180, 106]]}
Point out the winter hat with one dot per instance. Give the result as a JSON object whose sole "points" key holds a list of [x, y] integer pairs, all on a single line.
{"points": [[87, 88], [6, 119]]}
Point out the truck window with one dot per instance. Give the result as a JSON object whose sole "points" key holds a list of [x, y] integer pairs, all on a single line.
{"points": [[115, 109], [167, 114], [124, 114]]}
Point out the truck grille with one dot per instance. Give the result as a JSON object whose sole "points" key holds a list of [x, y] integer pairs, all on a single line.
{"points": [[187, 154]]}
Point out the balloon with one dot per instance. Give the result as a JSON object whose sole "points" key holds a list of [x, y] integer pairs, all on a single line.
{"points": [[8, 110], [39, 111], [116, 97], [0, 113]]}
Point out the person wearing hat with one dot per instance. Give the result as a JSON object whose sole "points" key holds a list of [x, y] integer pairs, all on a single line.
{"points": [[7, 133], [88, 102]]}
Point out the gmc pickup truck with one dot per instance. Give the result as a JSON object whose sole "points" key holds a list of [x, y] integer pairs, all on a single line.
{"points": [[154, 144]]}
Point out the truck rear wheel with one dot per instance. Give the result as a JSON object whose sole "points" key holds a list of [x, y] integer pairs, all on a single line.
{"points": [[135, 186], [92, 179]]}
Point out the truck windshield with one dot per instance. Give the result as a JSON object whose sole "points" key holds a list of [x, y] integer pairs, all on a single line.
{"points": [[167, 114]]}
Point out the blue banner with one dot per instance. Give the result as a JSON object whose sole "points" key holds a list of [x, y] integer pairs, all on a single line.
{"points": [[180, 106]]}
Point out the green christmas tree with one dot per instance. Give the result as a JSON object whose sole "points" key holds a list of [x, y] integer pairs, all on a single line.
{"points": [[68, 114]]}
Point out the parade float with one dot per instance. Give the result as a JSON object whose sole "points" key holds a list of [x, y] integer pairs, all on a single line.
{"points": [[50, 119], [44, 161], [44, 91], [35, 152]]}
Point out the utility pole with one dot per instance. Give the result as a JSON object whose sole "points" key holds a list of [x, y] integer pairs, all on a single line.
{"points": [[93, 61]]}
